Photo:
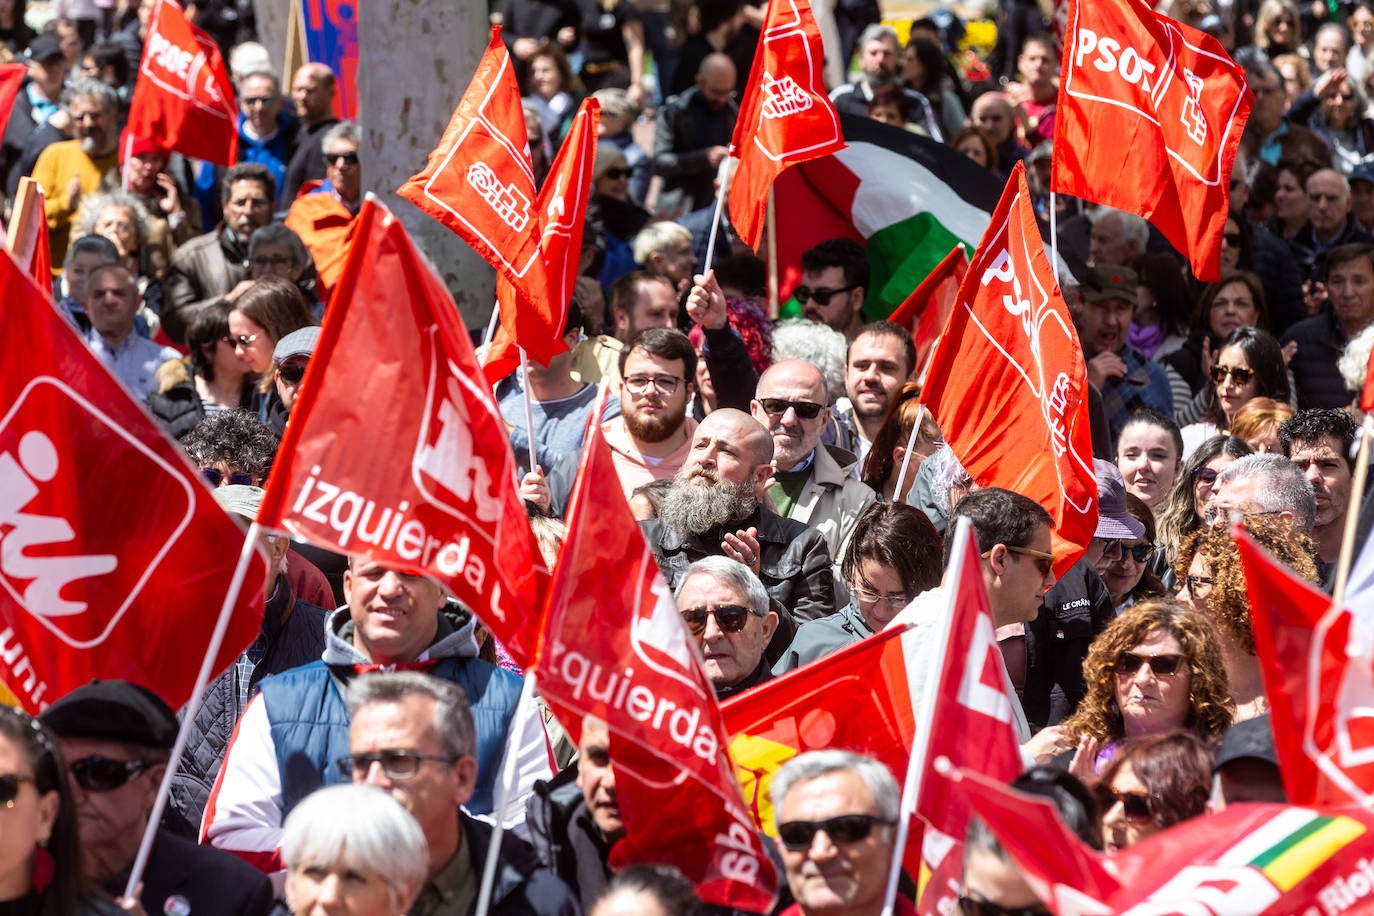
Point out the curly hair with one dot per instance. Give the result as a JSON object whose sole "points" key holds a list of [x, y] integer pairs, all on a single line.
{"points": [[1209, 697], [236, 437], [1176, 769], [1228, 601]]}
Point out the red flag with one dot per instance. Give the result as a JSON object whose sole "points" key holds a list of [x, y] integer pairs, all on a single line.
{"points": [[1135, 80], [11, 78], [563, 212], [926, 310], [103, 574], [1367, 394], [479, 180], [1265, 860], [1319, 677], [1007, 382], [184, 97], [619, 651], [405, 460], [786, 115]]}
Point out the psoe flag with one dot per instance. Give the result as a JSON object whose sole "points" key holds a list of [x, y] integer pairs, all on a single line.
{"points": [[1135, 81]]}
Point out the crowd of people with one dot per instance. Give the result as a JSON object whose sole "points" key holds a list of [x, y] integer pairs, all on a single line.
{"points": [[793, 492]]}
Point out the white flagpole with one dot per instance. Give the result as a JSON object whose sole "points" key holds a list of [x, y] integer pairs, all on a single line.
{"points": [[529, 407], [900, 494], [723, 175], [771, 219], [524, 709], [1054, 234], [1352, 513], [226, 610], [491, 325], [916, 765]]}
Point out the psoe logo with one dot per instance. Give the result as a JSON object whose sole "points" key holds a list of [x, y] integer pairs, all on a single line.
{"points": [[783, 97], [67, 556], [510, 204]]}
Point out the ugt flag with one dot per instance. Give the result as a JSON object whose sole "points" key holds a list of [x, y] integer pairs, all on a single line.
{"points": [[183, 96], [1135, 80], [113, 552], [396, 451], [1007, 381], [786, 115]]}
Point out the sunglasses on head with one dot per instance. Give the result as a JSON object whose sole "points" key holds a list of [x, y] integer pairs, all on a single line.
{"points": [[217, 478], [104, 774], [292, 373], [847, 828], [776, 407], [1241, 376], [9, 787], [820, 296], [1129, 664], [1135, 805], [1205, 475], [969, 906], [731, 618], [615, 174]]}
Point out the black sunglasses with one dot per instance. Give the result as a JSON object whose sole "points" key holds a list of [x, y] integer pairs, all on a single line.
{"points": [[292, 373], [348, 158], [1135, 805], [216, 477], [104, 774], [613, 174], [776, 407], [1241, 376], [1140, 552], [731, 618], [968, 906], [1232, 239], [1128, 663], [9, 787], [1205, 475], [847, 828], [820, 295]]}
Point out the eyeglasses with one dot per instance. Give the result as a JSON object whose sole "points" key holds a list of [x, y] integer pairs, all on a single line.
{"points": [[347, 158], [847, 828], [968, 906], [1240, 375], [1138, 552], [1198, 585], [274, 260], [1232, 239], [1205, 475], [395, 764], [1129, 664], [776, 407], [9, 787], [616, 174], [731, 618], [665, 385], [1043, 561], [104, 774], [257, 100], [245, 340], [872, 599], [217, 478], [820, 295], [291, 373], [1135, 805]]}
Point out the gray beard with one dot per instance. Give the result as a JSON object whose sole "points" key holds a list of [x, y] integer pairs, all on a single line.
{"points": [[689, 508]]}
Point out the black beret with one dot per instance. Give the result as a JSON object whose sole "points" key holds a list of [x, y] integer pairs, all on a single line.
{"points": [[113, 711]]}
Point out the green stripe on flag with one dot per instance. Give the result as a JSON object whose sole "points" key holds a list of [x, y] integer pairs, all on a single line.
{"points": [[903, 254]]}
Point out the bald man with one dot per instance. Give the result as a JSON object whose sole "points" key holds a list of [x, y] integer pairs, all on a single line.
{"points": [[993, 113], [312, 92], [714, 508], [693, 136], [813, 483]]}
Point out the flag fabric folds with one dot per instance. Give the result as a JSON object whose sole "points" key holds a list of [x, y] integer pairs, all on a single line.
{"points": [[104, 575], [926, 310], [614, 647], [786, 115], [479, 180], [184, 97], [403, 458], [1136, 80], [1007, 381], [1316, 659]]}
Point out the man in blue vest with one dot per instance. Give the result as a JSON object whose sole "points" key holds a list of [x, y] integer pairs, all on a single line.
{"points": [[293, 733]]}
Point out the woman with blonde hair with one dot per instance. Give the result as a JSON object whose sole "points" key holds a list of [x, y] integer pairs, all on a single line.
{"points": [[1278, 29]]}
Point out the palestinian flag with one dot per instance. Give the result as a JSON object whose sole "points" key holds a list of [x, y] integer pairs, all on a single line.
{"points": [[909, 199]]}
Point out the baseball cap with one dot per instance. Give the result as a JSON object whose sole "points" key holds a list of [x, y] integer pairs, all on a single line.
{"points": [[241, 500], [113, 711], [131, 145], [1114, 281], [297, 343], [43, 47], [1114, 520], [1363, 172], [1250, 738]]}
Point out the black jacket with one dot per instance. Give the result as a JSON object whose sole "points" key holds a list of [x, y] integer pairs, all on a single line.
{"points": [[1320, 342], [523, 886], [687, 127], [213, 882], [1074, 612], [564, 838]]}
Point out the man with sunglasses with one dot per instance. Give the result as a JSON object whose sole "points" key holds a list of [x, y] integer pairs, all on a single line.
{"points": [[289, 360], [834, 282], [323, 214], [727, 612], [116, 737], [1115, 523], [413, 736], [837, 817], [813, 483]]}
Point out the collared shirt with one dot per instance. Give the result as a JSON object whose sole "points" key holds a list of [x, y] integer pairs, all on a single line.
{"points": [[452, 891], [134, 360]]}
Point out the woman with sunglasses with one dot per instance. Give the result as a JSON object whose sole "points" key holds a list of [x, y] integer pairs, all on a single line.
{"points": [[1278, 29], [1129, 578], [40, 857], [621, 215], [1153, 784], [1249, 365], [262, 315], [1188, 499], [892, 556], [1214, 584], [1237, 301], [210, 377], [1156, 668]]}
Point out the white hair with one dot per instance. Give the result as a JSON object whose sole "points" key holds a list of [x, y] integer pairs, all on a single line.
{"points": [[1282, 487], [820, 345], [1133, 228], [1354, 361], [657, 236], [359, 827], [815, 764], [734, 574]]}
